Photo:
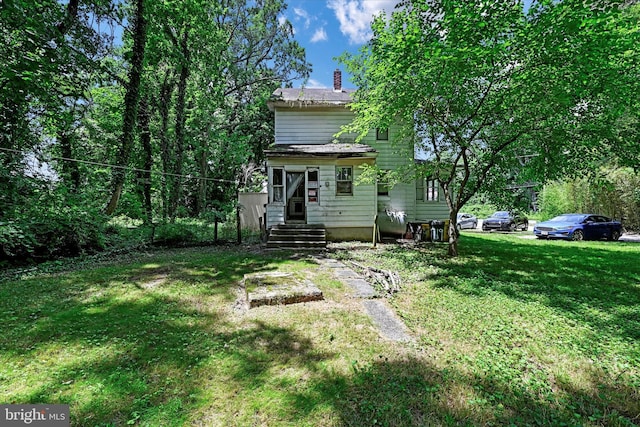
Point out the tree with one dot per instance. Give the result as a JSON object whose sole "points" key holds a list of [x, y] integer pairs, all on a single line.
{"points": [[131, 101], [476, 84]]}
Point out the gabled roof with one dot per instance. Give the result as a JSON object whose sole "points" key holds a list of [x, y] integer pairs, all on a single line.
{"points": [[303, 97], [322, 150]]}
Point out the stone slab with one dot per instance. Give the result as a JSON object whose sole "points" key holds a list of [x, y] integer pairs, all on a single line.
{"points": [[361, 287], [346, 273], [278, 288], [384, 318]]}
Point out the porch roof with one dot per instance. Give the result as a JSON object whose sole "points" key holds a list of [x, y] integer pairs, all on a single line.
{"points": [[322, 150]]}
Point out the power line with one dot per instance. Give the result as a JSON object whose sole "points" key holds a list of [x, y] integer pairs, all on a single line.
{"points": [[128, 168]]}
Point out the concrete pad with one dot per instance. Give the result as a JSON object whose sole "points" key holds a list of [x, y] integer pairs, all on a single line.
{"points": [[346, 273], [384, 318], [361, 287], [277, 288]]}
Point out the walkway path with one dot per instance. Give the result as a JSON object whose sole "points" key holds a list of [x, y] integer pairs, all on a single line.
{"points": [[382, 316]]}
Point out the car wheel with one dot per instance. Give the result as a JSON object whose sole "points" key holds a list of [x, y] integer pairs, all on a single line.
{"points": [[512, 226], [459, 227], [578, 235], [475, 225], [615, 235], [525, 226]]}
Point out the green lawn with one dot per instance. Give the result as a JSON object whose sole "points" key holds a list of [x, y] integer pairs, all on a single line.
{"points": [[513, 332]]}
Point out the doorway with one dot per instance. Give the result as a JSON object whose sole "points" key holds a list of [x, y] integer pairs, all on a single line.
{"points": [[295, 210]]}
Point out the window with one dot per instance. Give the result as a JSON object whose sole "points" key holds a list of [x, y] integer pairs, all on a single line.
{"points": [[344, 181], [427, 190], [382, 134], [431, 190], [383, 189], [383, 184], [312, 186], [278, 185]]}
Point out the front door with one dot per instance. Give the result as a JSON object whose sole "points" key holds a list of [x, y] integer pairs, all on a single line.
{"points": [[295, 208]]}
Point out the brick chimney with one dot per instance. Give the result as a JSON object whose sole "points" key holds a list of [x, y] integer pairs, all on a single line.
{"points": [[337, 80]]}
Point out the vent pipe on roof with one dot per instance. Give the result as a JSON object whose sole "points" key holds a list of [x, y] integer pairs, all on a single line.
{"points": [[337, 80]]}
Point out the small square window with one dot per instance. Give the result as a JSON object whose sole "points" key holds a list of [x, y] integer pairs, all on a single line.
{"points": [[382, 134]]}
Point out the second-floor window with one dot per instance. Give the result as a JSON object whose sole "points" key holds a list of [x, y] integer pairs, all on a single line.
{"points": [[382, 134], [344, 181]]}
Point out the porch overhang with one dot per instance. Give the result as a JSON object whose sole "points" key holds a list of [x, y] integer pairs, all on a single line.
{"points": [[336, 151]]}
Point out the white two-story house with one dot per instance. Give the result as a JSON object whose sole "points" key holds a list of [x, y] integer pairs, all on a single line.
{"points": [[313, 176]]}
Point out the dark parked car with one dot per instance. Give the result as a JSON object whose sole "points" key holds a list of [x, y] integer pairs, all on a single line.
{"points": [[579, 227], [466, 220], [505, 221]]}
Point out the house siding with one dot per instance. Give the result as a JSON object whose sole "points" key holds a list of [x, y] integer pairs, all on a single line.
{"points": [[314, 126]]}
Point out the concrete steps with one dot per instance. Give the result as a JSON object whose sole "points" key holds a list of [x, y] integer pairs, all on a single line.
{"points": [[297, 236]]}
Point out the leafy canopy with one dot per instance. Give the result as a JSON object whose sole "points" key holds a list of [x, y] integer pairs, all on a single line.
{"points": [[478, 85]]}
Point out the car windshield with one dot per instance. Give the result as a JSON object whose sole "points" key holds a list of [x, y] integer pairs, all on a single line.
{"points": [[501, 214], [568, 218]]}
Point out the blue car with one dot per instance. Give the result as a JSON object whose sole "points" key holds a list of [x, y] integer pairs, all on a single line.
{"points": [[579, 227]]}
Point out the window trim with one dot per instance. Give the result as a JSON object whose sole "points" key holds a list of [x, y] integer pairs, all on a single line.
{"points": [[382, 134], [313, 187], [278, 186], [428, 190], [350, 181], [431, 190], [382, 184]]}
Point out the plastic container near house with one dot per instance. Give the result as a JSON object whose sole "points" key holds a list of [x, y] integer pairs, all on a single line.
{"points": [[440, 230]]}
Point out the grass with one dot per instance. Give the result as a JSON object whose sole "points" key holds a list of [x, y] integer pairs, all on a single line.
{"points": [[513, 332]]}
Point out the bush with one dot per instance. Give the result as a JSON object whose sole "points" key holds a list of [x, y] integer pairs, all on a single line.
{"points": [[612, 192], [16, 241]]}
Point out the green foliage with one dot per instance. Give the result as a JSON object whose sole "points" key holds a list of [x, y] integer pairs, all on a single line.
{"points": [[488, 90], [15, 241]]}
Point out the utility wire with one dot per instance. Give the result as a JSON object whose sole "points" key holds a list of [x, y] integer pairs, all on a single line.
{"points": [[88, 162]]}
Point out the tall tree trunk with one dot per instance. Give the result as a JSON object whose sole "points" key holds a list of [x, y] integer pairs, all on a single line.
{"points": [[145, 139], [130, 106], [70, 171], [201, 160], [452, 250], [165, 101], [180, 127]]}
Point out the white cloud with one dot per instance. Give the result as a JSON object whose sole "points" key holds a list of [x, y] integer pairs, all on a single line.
{"points": [[355, 16], [315, 84], [302, 14], [319, 36]]}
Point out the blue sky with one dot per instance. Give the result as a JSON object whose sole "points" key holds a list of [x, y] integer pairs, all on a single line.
{"points": [[327, 28]]}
